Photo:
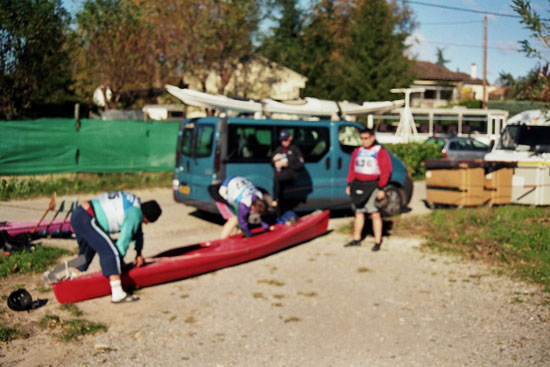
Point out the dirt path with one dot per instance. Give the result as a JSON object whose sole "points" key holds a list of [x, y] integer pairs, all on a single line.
{"points": [[317, 304]]}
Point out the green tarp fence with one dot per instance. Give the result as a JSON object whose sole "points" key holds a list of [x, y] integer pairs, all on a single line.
{"points": [[56, 146]]}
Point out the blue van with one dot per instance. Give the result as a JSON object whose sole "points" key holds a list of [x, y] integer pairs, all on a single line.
{"points": [[212, 148]]}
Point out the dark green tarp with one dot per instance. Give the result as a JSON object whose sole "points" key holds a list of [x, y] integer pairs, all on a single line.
{"points": [[55, 146]]}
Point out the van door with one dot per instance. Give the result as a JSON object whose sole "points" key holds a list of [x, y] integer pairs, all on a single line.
{"points": [[314, 185], [195, 162], [249, 151]]}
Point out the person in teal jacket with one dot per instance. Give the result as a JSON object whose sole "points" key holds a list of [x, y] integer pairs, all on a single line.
{"points": [[113, 212]]}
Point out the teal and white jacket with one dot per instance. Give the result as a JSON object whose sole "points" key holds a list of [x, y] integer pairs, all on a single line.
{"points": [[120, 212]]}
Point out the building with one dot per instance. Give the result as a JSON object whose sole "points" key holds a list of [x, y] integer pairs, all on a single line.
{"points": [[443, 87], [255, 79]]}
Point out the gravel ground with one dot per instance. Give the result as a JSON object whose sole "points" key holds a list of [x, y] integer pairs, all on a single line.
{"points": [[316, 304]]}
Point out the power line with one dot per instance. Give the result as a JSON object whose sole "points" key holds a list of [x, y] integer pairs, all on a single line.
{"points": [[464, 45], [462, 9], [452, 23]]}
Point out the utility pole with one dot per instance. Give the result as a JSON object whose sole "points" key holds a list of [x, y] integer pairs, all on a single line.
{"points": [[484, 97]]}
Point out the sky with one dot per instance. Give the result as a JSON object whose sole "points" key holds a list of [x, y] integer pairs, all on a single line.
{"points": [[459, 33]]}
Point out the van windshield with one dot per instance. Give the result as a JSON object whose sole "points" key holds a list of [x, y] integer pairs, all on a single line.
{"points": [[531, 136], [197, 140]]}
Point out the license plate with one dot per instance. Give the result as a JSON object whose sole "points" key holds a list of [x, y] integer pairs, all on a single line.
{"points": [[185, 189]]}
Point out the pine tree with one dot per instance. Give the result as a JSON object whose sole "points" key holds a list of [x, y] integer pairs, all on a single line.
{"points": [[355, 49], [320, 45], [441, 60], [374, 59], [285, 44]]}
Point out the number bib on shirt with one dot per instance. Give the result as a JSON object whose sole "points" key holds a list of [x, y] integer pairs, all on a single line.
{"points": [[114, 204], [240, 190], [366, 161]]}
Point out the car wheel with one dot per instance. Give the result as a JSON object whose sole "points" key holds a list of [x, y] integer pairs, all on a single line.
{"points": [[394, 201]]}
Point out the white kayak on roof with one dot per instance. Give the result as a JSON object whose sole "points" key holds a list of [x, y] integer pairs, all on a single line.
{"points": [[305, 107]]}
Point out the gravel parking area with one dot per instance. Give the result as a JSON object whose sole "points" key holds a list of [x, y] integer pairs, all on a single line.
{"points": [[316, 304]]}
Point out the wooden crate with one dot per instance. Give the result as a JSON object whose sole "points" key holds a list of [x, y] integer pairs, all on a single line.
{"points": [[455, 183], [498, 184]]}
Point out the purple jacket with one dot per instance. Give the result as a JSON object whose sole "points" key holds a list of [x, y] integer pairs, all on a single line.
{"points": [[243, 212]]}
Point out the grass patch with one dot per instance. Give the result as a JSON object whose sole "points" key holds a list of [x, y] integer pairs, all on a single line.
{"points": [[36, 261], [513, 237], [75, 328], [76, 183], [71, 329], [8, 334], [72, 309], [346, 228]]}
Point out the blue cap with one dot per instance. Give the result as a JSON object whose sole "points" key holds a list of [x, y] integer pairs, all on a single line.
{"points": [[284, 135]]}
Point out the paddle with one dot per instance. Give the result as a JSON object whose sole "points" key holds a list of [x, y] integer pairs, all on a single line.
{"points": [[61, 209], [51, 206], [74, 204]]}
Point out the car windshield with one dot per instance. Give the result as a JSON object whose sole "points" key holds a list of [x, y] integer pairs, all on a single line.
{"points": [[531, 136]]}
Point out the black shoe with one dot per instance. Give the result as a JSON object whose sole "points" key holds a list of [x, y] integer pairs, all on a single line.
{"points": [[376, 246], [353, 243]]}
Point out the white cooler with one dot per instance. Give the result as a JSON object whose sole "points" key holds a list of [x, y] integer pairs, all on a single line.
{"points": [[531, 183]]}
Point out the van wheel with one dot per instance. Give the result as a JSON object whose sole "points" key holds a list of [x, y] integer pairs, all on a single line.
{"points": [[395, 201]]}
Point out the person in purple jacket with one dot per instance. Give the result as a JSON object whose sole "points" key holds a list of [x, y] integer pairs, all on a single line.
{"points": [[241, 199]]}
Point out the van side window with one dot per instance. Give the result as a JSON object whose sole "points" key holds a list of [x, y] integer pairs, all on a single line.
{"points": [[249, 143], [314, 142], [187, 141], [197, 141], [349, 138]]}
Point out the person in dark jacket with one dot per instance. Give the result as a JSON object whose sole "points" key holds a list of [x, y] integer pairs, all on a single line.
{"points": [[288, 161], [369, 171]]}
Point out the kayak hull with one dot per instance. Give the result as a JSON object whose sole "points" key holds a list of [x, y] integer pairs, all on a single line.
{"points": [[187, 261], [15, 228]]}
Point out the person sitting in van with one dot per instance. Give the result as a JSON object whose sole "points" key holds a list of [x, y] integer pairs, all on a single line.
{"points": [[240, 199], [288, 161]]}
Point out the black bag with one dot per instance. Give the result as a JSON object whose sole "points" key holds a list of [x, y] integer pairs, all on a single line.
{"points": [[360, 191]]}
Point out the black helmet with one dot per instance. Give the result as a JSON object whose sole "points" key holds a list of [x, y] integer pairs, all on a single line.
{"points": [[20, 300]]}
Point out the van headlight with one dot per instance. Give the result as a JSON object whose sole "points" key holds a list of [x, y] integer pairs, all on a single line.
{"points": [[175, 184]]}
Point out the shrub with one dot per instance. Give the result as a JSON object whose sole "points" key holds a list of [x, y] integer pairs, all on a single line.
{"points": [[413, 154]]}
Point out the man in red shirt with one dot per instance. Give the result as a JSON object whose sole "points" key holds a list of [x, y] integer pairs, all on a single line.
{"points": [[369, 171]]}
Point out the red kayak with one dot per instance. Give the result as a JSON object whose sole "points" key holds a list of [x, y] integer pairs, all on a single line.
{"points": [[196, 259], [51, 227]]}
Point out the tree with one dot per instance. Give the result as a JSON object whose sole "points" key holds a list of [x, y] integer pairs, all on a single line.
{"points": [[441, 60], [33, 56], [320, 50], [285, 43], [116, 50], [202, 37], [535, 86], [540, 28], [355, 49]]}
